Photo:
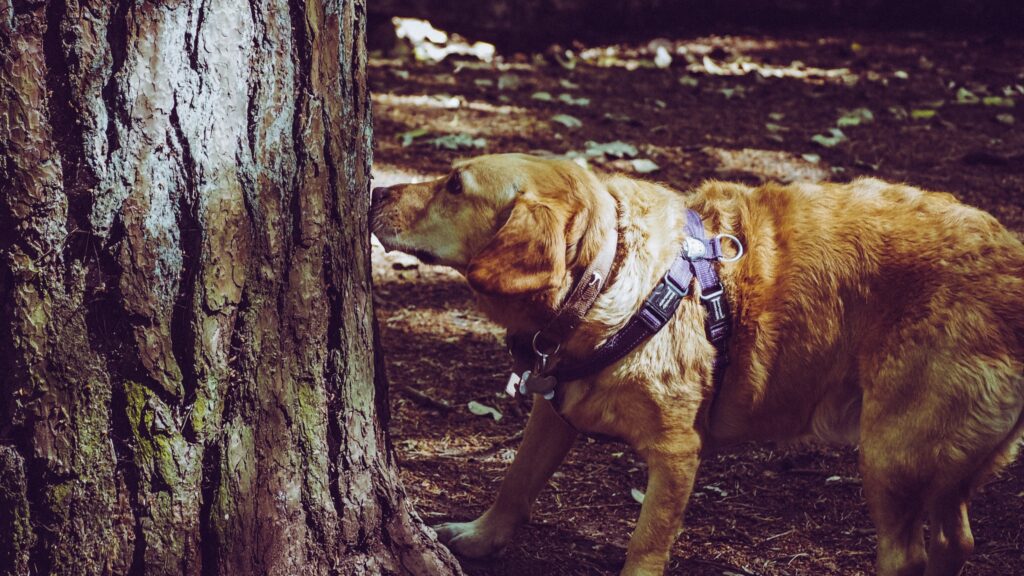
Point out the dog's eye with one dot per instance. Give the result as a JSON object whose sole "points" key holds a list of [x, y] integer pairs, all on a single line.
{"points": [[454, 185]]}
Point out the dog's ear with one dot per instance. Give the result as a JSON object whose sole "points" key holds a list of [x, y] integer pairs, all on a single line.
{"points": [[526, 256]]}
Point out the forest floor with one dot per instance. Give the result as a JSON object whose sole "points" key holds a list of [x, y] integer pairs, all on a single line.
{"points": [[933, 110]]}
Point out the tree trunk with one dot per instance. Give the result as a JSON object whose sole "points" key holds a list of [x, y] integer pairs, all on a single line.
{"points": [[189, 379]]}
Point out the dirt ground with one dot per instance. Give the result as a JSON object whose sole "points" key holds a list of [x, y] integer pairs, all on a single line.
{"points": [[945, 113]]}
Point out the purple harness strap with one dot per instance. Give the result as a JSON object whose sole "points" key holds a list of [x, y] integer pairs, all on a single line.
{"points": [[694, 260]]}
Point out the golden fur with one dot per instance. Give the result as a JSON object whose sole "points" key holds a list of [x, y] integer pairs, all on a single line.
{"points": [[867, 312]]}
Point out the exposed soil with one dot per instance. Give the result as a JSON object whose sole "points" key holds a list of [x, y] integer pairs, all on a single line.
{"points": [[759, 509]]}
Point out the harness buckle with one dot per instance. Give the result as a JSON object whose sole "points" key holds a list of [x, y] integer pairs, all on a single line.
{"points": [[718, 310], [673, 283], [663, 300]]}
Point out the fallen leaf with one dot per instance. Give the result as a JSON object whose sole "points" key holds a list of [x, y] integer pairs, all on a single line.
{"points": [[965, 96], [998, 101], [568, 84], [855, 117], [901, 74], [662, 59], [403, 74], [566, 59], [922, 114], [567, 120], [716, 490], [568, 99], [645, 166], [776, 116], [407, 138], [689, 81], [508, 82], [832, 140], [899, 112], [542, 96], [1007, 119], [775, 127], [617, 117], [812, 158], [637, 495], [483, 82], [457, 141], [618, 149], [479, 409]]}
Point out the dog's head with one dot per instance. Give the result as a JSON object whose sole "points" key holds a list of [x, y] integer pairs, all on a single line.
{"points": [[512, 223]]}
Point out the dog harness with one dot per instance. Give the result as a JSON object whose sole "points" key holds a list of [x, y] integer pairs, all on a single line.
{"points": [[695, 260]]}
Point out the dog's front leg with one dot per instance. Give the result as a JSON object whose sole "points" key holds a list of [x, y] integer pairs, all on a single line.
{"points": [[672, 466], [546, 441]]}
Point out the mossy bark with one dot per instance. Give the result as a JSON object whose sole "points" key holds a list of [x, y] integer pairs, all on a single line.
{"points": [[188, 378]]}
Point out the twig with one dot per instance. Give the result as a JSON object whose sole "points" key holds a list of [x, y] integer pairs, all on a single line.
{"points": [[422, 398], [807, 471], [779, 535], [592, 506], [723, 566]]}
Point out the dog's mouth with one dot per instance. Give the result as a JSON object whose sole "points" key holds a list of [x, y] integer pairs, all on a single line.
{"points": [[421, 255], [389, 239]]}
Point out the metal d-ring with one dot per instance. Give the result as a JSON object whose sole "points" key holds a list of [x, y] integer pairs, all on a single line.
{"points": [[538, 352], [739, 247]]}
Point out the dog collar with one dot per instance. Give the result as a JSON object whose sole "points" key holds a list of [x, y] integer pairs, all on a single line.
{"points": [[546, 342], [695, 260]]}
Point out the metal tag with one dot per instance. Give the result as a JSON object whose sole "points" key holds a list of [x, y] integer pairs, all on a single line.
{"points": [[513, 384]]}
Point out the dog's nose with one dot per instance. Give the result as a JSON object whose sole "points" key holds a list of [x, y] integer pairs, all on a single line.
{"points": [[379, 194]]}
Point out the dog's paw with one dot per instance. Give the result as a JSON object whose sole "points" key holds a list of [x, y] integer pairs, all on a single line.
{"points": [[475, 539]]}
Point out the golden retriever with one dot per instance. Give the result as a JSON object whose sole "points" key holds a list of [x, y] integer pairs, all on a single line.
{"points": [[868, 312]]}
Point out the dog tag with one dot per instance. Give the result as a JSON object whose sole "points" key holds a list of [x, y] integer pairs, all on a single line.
{"points": [[513, 384], [541, 384], [522, 382]]}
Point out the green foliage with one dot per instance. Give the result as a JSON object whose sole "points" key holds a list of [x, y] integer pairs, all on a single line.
{"points": [[479, 409], [409, 136], [457, 142], [834, 138], [855, 117], [568, 99], [567, 120]]}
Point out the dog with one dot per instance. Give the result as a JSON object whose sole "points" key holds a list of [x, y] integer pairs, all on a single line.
{"points": [[869, 313]]}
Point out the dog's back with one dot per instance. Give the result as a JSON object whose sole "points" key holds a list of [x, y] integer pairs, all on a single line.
{"points": [[845, 286]]}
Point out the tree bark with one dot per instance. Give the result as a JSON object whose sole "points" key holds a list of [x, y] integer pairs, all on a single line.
{"points": [[188, 375]]}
